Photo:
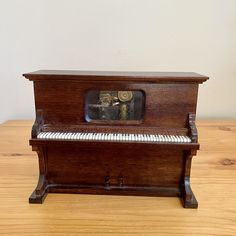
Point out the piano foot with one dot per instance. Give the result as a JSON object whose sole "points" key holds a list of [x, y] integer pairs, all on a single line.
{"points": [[188, 198], [37, 199], [40, 192]]}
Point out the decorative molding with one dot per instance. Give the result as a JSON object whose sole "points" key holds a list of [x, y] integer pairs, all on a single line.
{"points": [[192, 126], [37, 124]]}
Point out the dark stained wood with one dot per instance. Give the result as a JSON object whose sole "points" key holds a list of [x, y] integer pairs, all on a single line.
{"points": [[49, 96], [103, 167], [117, 76]]}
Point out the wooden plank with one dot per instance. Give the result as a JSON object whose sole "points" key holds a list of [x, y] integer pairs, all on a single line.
{"points": [[213, 182]]}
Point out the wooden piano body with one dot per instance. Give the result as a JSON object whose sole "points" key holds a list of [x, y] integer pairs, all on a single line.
{"points": [[126, 167]]}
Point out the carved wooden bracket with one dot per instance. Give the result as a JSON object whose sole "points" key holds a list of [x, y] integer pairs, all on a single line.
{"points": [[37, 124], [192, 127]]}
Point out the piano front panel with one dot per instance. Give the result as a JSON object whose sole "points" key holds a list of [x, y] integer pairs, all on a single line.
{"points": [[113, 165], [166, 105]]}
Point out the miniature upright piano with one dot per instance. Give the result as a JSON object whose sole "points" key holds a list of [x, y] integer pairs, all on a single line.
{"points": [[124, 133]]}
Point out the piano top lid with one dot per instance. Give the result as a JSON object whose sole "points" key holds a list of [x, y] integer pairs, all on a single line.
{"points": [[153, 77]]}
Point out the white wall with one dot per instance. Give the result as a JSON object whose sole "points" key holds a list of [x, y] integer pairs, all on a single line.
{"points": [[141, 35]]}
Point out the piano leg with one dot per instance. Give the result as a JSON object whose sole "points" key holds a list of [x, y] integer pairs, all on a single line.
{"points": [[40, 191], [187, 196]]}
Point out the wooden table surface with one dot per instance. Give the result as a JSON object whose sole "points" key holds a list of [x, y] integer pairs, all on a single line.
{"points": [[213, 181]]}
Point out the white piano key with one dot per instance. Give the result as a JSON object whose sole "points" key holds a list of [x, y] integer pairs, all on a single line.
{"points": [[123, 137], [133, 137], [95, 136], [112, 137], [56, 135], [183, 138], [180, 139], [48, 135], [144, 139], [118, 137], [130, 137], [106, 137], [70, 136], [76, 136], [73, 136], [189, 140], [100, 136], [53, 135], [91, 136], [175, 138], [164, 138], [139, 137], [63, 135], [154, 138], [85, 136]]}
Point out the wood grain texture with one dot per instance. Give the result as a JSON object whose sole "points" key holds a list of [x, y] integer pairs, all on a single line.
{"points": [[117, 76], [213, 178]]}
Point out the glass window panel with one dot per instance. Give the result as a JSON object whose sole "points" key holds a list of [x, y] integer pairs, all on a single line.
{"points": [[114, 105]]}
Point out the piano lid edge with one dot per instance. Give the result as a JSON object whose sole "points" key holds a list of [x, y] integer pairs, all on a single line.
{"points": [[116, 76]]}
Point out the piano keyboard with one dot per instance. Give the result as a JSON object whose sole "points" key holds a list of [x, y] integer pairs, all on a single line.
{"points": [[114, 137]]}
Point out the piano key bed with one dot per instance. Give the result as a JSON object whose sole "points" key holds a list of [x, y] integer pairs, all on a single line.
{"points": [[114, 137]]}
